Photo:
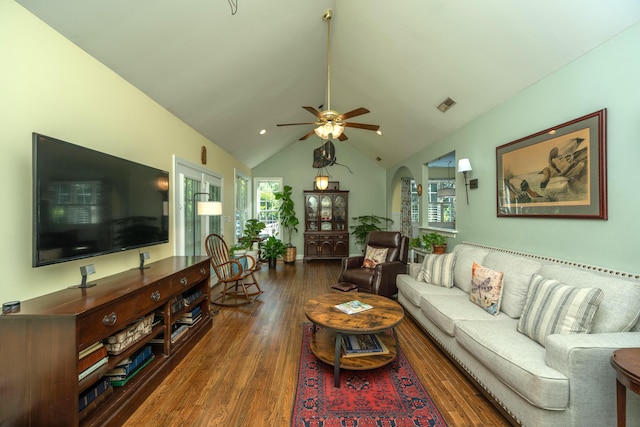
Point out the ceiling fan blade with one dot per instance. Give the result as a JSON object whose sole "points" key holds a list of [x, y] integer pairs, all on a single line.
{"points": [[314, 111], [343, 137], [313, 132], [295, 124], [362, 126], [357, 112]]}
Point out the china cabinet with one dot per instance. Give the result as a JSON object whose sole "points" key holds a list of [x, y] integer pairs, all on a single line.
{"points": [[326, 232]]}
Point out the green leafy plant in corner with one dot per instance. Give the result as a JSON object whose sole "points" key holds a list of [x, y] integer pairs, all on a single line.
{"points": [[367, 224], [252, 230], [286, 212]]}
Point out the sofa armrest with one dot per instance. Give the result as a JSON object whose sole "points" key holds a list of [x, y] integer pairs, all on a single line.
{"points": [[573, 354], [413, 268], [350, 262], [384, 280]]}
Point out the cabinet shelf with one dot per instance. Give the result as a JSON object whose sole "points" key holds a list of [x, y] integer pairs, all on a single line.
{"points": [[48, 333]]}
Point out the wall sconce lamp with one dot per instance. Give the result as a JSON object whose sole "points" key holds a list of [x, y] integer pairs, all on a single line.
{"points": [[464, 166], [208, 208]]}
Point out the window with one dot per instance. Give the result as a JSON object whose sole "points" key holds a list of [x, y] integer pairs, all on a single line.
{"points": [[441, 192], [441, 207], [243, 203], [266, 204]]}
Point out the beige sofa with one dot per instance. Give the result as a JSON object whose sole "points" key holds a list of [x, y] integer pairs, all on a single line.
{"points": [[567, 382]]}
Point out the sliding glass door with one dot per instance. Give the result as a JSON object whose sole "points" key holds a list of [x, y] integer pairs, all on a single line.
{"points": [[193, 184]]}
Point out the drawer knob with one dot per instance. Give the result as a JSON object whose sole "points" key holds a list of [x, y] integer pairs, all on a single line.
{"points": [[110, 319], [203, 271], [155, 296], [183, 281]]}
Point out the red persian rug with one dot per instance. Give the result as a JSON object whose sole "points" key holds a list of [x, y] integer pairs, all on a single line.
{"points": [[377, 398]]}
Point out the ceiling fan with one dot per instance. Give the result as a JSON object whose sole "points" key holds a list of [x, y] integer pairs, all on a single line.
{"points": [[331, 122]]}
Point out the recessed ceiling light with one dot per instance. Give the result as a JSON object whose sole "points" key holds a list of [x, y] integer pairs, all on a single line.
{"points": [[552, 132], [262, 132], [379, 132]]}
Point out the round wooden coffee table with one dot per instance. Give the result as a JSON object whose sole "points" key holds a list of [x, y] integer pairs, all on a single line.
{"points": [[326, 343]]}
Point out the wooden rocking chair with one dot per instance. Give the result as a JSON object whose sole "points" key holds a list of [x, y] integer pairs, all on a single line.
{"points": [[235, 275]]}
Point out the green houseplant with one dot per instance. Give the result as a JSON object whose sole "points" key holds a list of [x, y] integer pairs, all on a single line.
{"points": [[436, 242], [252, 230], [368, 223], [272, 249], [288, 219]]}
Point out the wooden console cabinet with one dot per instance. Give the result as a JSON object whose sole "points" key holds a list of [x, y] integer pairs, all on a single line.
{"points": [[40, 343], [326, 224]]}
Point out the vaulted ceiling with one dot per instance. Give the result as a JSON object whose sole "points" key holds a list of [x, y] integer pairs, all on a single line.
{"points": [[230, 75]]}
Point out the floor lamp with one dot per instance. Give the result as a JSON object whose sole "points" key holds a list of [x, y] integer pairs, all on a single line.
{"points": [[208, 208]]}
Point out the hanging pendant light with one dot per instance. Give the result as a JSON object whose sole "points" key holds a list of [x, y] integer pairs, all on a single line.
{"points": [[447, 191]]}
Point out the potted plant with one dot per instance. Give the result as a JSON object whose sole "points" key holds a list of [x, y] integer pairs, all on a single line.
{"points": [[288, 219], [272, 249], [368, 223], [252, 230], [436, 242]]}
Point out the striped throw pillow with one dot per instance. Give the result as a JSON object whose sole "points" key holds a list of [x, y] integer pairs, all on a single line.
{"points": [[438, 270], [555, 308]]}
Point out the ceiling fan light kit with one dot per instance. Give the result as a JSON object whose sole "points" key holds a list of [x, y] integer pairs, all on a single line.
{"points": [[330, 123]]}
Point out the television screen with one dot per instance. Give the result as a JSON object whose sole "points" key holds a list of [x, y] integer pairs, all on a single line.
{"points": [[87, 203]]}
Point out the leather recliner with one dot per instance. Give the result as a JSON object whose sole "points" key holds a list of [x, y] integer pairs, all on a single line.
{"points": [[381, 279]]}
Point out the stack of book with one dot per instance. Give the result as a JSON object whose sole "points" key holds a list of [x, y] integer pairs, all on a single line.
{"points": [[362, 345], [91, 359], [191, 317], [94, 396], [130, 366]]}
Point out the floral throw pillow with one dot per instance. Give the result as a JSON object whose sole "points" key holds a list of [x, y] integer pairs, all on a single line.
{"points": [[486, 288], [374, 256]]}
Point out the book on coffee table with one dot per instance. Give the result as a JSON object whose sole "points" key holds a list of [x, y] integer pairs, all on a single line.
{"points": [[362, 345], [353, 307]]}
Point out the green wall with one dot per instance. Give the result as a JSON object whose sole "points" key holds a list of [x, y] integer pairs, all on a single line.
{"points": [[49, 85], [607, 77], [367, 191]]}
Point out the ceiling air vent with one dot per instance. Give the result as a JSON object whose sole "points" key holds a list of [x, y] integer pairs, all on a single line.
{"points": [[446, 104]]}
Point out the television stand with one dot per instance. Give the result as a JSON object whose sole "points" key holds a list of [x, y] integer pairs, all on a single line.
{"points": [[39, 364]]}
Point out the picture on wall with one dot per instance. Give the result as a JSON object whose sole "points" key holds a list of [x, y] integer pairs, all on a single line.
{"points": [[559, 172]]}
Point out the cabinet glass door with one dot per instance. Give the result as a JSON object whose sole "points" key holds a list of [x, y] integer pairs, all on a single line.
{"points": [[339, 213], [312, 213], [326, 213]]}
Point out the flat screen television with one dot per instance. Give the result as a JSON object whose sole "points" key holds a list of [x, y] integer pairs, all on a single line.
{"points": [[87, 203]]}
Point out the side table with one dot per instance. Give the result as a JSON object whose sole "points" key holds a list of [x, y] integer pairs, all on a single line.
{"points": [[626, 363]]}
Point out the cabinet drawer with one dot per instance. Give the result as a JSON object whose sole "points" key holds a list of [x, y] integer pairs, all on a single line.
{"points": [[152, 297], [187, 278], [107, 320]]}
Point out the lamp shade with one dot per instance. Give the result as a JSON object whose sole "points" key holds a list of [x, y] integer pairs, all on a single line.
{"points": [[464, 165], [210, 208], [447, 192], [329, 128], [322, 182]]}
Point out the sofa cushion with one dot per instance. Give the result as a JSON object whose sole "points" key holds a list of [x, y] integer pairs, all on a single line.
{"points": [[374, 256], [486, 288], [620, 309], [517, 271], [438, 269], [413, 290], [555, 308], [516, 360], [466, 255], [445, 311]]}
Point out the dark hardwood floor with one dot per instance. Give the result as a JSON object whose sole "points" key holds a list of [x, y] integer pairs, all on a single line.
{"points": [[244, 371]]}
